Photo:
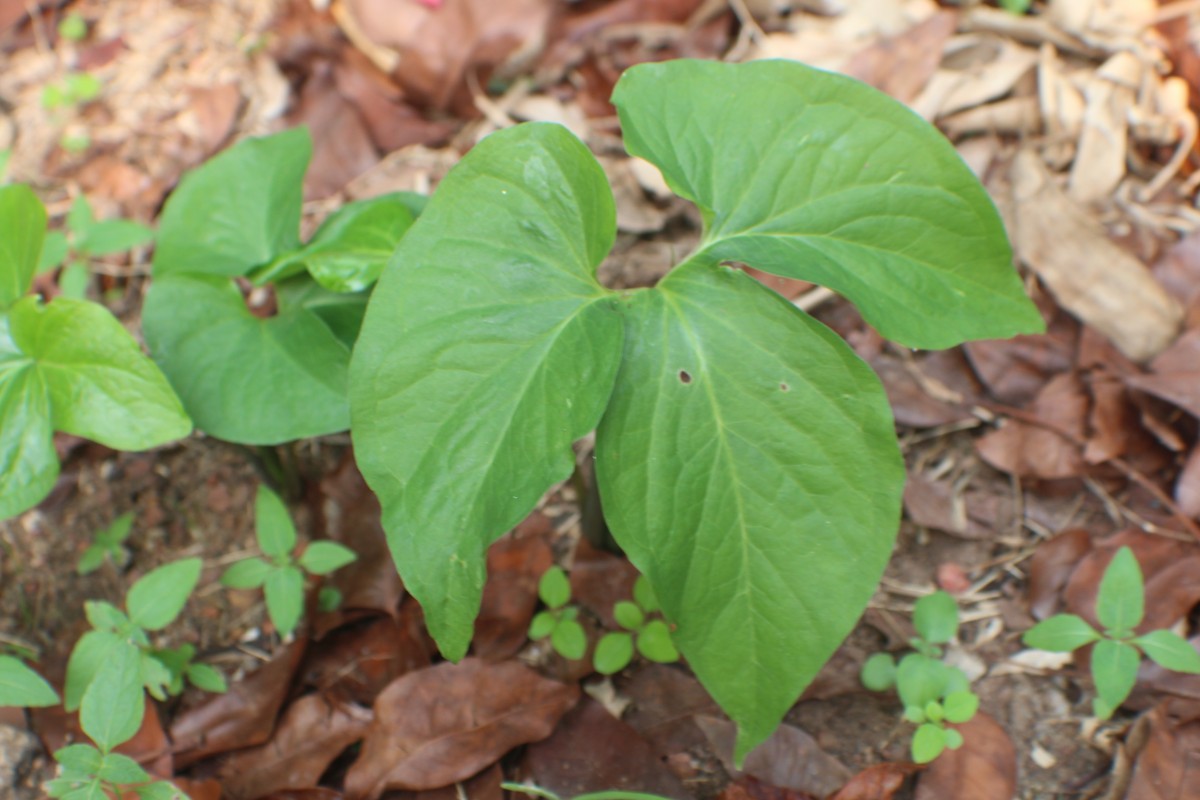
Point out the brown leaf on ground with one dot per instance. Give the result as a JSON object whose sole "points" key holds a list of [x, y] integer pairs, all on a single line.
{"points": [[443, 724], [1013, 370], [515, 564], [1178, 270], [665, 701], [1089, 275], [789, 759], [1175, 374], [342, 147], [932, 389], [390, 120], [210, 117], [592, 751], [967, 513], [984, 768], [1051, 568], [1114, 421], [349, 513], [1168, 766], [1036, 451], [484, 786], [242, 717], [746, 788], [902, 65], [314, 793], [1187, 485], [437, 48], [310, 735], [207, 789], [878, 782], [361, 659], [599, 580]]}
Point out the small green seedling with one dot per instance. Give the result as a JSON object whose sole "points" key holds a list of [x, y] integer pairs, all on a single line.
{"points": [[66, 365], [559, 621], [112, 663], [109, 545], [281, 574], [21, 687], [933, 692], [73, 28], [256, 372], [75, 89], [1120, 607], [86, 240], [643, 626], [87, 773]]}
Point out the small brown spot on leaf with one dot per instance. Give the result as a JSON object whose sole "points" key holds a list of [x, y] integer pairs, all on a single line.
{"points": [[685, 376], [783, 387]]}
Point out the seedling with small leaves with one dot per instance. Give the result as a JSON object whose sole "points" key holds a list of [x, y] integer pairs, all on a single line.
{"points": [[933, 692], [21, 687], [113, 662], [644, 628], [87, 773], [1120, 608], [109, 545], [85, 240], [559, 621], [281, 573]]}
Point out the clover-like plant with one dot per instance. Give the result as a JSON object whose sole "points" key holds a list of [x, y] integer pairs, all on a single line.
{"points": [[233, 224], [109, 545], [933, 692], [85, 240], [558, 621], [746, 457], [1120, 608], [281, 573], [644, 629], [67, 365], [111, 664]]}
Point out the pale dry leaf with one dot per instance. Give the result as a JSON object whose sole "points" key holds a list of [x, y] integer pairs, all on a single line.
{"points": [[1104, 136], [1089, 275], [976, 69]]}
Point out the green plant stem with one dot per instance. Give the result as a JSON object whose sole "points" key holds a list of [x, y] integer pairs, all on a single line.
{"points": [[279, 465]]}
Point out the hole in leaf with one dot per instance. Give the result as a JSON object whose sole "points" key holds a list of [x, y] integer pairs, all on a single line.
{"points": [[260, 300], [783, 387], [685, 376]]}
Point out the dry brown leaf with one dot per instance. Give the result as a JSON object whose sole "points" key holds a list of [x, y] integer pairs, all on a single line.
{"points": [[443, 724], [939, 505], [1099, 163], [1015, 370], [744, 787], [593, 751], [342, 147], [1051, 567], [515, 565], [1091, 277], [599, 580], [390, 120], [878, 782], [901, 65], [310, 735], [976, 69], [665, 701], [242, 717], [1167, 767], [789, 759], [360, 659], [984, 768], [1187, 485], [1037, 451]]}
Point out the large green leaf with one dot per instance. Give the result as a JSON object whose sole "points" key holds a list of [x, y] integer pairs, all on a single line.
{"points": [[101, 385], [813, 175], [114, 704], [487, 349], [239, 210], [246, 379], [22, 228], [749, 468], [28, 463]]}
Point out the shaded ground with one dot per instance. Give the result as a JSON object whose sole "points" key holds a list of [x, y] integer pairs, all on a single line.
{"points": [[1029, 461]]}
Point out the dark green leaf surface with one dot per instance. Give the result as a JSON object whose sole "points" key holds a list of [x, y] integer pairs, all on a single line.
{"points": [[238, 211], [28, 463], [553, 587], [284, 590], [749, 469], [93, 650], [1120, 601], [613, 653], [113, 705], [100, 384], [113, 236], [22, 228], [569, 640], [245, 379], [22, 687], [488, 348], [813, 175], [322, 558], [248, 573], [654, 642]]}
